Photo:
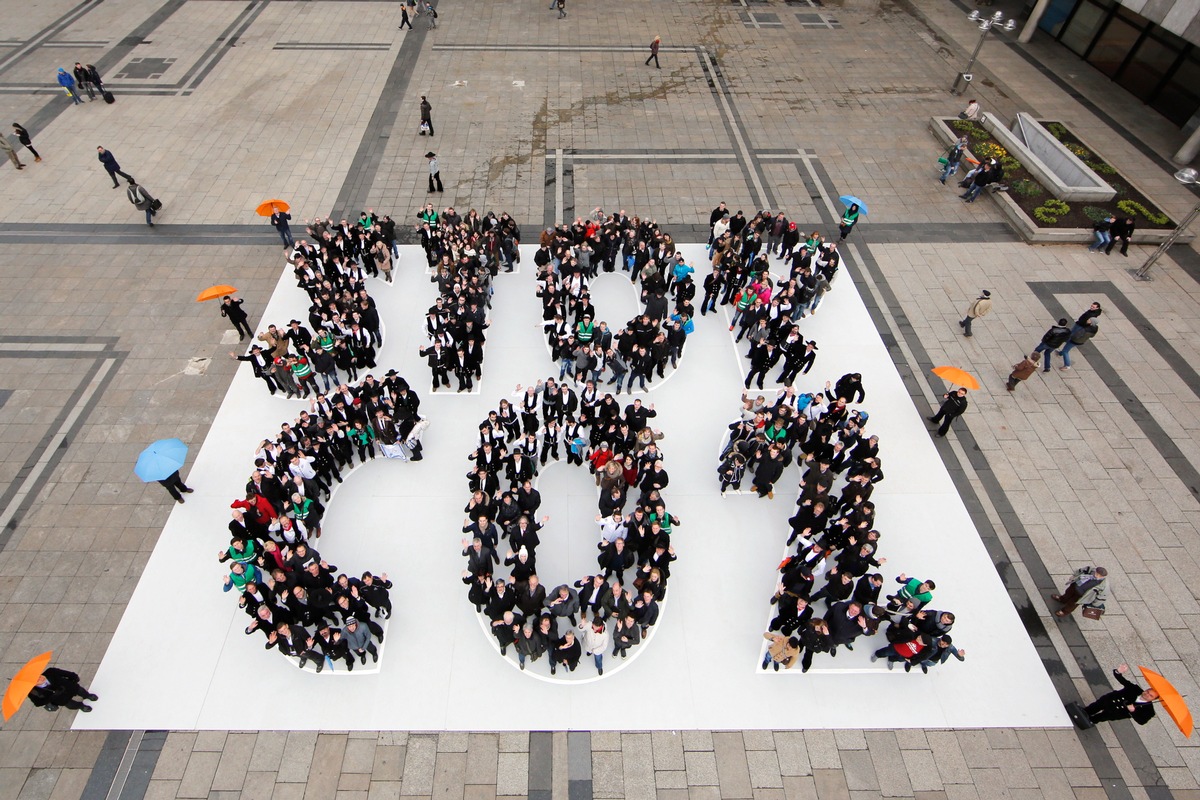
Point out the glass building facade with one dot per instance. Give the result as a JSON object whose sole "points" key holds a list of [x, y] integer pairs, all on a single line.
{"points": [[1149, 61]]}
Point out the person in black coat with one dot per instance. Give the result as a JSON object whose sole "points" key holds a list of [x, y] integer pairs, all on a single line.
{"points": [[846, 623], [953, 405], [1123, 230], [793, 613], [531, 598], [232, 310], [615, 558], [1056, 337], [1128, 702], [58, 688]]}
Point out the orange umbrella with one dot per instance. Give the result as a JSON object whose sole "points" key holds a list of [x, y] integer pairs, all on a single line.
{"points": [[269, 207], [956, 376], [23, 682], [213, 292], [1172, 700]]}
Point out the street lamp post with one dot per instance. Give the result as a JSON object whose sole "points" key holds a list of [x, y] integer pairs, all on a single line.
{"points": [[986, 24], [1188, 176]]}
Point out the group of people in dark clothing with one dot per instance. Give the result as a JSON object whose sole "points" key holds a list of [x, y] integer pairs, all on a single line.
{"points": [[300, 603], [464, 255], [611, 610], [835, 558], [570, 257]]}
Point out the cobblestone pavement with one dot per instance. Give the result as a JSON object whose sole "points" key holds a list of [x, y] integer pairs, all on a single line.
{"points": [[761, 104]]}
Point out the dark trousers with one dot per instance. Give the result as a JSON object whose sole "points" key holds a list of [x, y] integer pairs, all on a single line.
{"points": [[945, 420], [436, 176], [404, 19], [242, 327], [114, 173], [426, 120], [174, 485], [1070, 598], [653, 57]]}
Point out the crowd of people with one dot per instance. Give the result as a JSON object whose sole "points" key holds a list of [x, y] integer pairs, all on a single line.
{"points": [[614, 608], [832, 549], [302, 605], [464, 255], [570, 257]]}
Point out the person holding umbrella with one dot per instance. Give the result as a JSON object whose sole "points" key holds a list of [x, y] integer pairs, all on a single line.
{"points": [[849, 220], [953, 405], [279, 219], [58, 688], [434, 171], [1129, 702], [161, 462], [232, 310]]}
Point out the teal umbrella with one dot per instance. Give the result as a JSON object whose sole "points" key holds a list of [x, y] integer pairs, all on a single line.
{"points": [[160, 459]]}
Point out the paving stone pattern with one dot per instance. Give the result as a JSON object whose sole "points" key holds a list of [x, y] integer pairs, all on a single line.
{"points": [[221, 105]]}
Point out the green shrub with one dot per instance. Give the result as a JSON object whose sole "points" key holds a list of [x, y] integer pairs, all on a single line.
{"points": [[1057, 130], [1082, 152], [1130, 208], [1096, 214], [1119, 188], [1026, 187], [986, 150], [1010, 165], [1100, 168], [1051, 211]]}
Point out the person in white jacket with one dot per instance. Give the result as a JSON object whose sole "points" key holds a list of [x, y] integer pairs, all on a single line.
{"points": [[594, 638]]}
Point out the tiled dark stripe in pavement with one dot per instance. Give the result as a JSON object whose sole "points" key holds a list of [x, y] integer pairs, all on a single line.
{"points": [[218, 49], [69, 407], [359, 178], [4, 395], [579, 765], [887, 308], [57, 26], [732, 119], [541, 765], [55, 106], [106, 766], [1093, 354], [142, 769]]}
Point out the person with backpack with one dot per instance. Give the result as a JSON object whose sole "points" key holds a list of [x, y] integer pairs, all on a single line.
{"points": [[953, 158], [143, 201], [1056, 337], [66, 81]]}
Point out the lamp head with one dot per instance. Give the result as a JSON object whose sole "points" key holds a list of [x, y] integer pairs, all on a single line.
{"points": [[999, 15], [1010, 26], [1188, 175], [974, 15]]}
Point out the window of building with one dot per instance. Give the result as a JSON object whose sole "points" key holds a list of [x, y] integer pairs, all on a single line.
{"points": [[1113, 45], [1082, 27]]}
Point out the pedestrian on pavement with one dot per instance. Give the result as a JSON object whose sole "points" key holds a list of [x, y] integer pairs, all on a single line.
{"points": [[953, 405], [25, 139], [142, 200], [954, 157], [1056, 337], [654, 52], [1080, 334], [111, 166], [404, 18], [431, 12], [426, 116], [978, 308], [1087, 587], [232, 310], [83, 79], [58, 688], [1100, 229], [971, 112], [435, 174], [66, 81], [562, 8], [849, 220], [1022, 370], [174, 485], [1122, 230], [1128, 702], [280, 220], [7, 147]]}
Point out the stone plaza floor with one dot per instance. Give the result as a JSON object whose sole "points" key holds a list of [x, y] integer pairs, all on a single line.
{"points": [[767, 104]]}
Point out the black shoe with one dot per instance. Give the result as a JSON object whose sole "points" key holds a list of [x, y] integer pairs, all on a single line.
{"points": [[85, 708], [777, 666], [178, 499], [362, 657], [553, 668], [504, 651], [320, 665], [350, 665], [303, 661], [601, 670], [908, 667], [522, 665], [187, 490], [93, 697], [375, 655]]}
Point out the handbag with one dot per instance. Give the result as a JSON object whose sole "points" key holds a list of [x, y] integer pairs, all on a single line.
{"points": [[962, 115], [1093, 612], [943, 161]]}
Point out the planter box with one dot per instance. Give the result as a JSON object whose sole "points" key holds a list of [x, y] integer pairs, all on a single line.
{"points": [[1028, 228], [1057, 169]]}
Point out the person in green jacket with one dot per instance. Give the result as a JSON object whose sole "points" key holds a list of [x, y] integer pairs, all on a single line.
{"points": [[849, 220], [911, 590], [363, 436]]}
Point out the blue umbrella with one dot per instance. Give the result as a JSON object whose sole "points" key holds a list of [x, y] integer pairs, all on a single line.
{"points": [[849, 199], [160, 459]]}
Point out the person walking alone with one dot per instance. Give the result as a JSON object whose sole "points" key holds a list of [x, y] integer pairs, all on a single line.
{"points": [[142, 200], [404, 18], [435, 174], [25, 139], [58, 688], [9, 151], [279, 219], [426, 116], [654, 52], [174, 485], [1087, 587], [232, 310], [562, 8], [1128, 702], [111, 166], [953, 405], [979, 308]]}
